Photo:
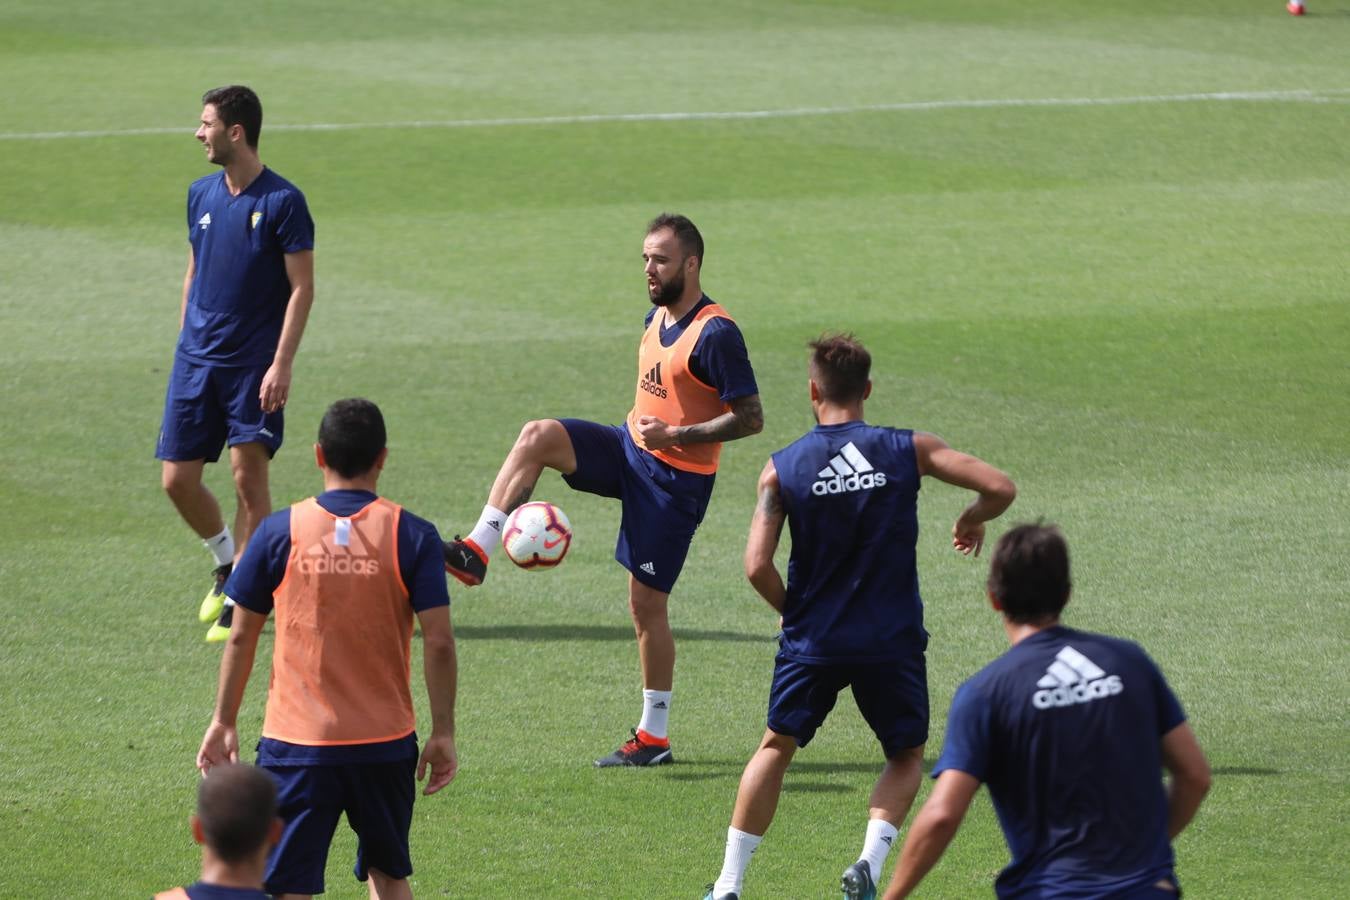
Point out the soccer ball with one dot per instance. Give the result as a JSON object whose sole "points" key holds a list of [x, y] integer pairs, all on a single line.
{"points": [[537, 535]]}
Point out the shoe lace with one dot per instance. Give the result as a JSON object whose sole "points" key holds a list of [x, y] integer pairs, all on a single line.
{"points": [[632, 745]]}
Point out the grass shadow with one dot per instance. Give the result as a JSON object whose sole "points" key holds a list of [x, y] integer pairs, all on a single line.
{"points": [[714, 769], [543, 633], [1244, 770]]}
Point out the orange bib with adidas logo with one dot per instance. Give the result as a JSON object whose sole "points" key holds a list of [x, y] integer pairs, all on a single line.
{"points": [[341, 660], [668, 390]]}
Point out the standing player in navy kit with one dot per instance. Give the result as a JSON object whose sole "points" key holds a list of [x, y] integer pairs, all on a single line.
{"points": [[851, 610], [695, 390], [246, 298], [1071, 731]]}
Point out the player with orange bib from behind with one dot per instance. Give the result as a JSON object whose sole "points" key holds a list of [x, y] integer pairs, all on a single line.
{"points": [[695, 390], [346, 573]]}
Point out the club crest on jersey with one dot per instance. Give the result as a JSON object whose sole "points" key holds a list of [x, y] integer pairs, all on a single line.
{"points": [[847, 472], [254, 219], [1073, 678], [652, 384]]}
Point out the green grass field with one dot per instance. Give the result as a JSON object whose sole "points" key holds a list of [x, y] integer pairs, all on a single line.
{"points": [[1102, 245]]}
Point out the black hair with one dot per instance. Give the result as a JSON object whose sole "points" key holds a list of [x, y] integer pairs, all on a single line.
{"points": [[237, 105], [352, 436], [1029, 574], [691, 242], [236, 805], [840, 366]]}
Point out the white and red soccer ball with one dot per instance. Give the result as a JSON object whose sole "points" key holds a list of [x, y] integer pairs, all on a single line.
{"points": [[537, 535]]}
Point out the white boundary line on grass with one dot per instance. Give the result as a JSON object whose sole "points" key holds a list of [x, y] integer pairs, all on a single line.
{"points": [[1303, 96]]}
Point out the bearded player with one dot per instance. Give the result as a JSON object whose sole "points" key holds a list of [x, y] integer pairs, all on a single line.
{"points": [[695, 391]]}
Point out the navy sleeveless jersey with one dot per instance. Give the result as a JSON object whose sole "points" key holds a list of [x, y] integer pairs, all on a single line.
{"points": [[239, 292], [851, 496], [1066, 729]]}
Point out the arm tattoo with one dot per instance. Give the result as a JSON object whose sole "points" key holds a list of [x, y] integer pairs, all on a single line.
{"points": [[770, 503], [746, 418], [522, 498]]}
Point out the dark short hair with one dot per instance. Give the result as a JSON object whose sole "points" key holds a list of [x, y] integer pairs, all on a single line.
{"points": [[352, 436], [237, 105], [691, 242], [236, 805], [840, 365], [1029, 574]]}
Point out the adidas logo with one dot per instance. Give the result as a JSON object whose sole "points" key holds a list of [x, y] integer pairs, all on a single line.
{"points": [[495, 524], [204, 221], [887, 840], [341, 552], [648, 568], [660, 704], [848, 471], [651, 383], [1073, 678]]}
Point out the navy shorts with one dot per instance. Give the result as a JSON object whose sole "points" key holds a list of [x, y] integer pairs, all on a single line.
{"points": [[207, 407], [378, 801], [892, 697], [662, 505]]}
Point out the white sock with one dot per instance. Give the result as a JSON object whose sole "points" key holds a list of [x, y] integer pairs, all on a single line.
{"points": [[487, 534], [655, 713], [740, 847], [880, 836], [221, 547]]}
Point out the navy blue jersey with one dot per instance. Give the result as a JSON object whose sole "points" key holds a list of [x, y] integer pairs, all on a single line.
{"points": [[203, 891], [239, 292], [1066, 730], [719, 358], [261, 568], [851, 496]]}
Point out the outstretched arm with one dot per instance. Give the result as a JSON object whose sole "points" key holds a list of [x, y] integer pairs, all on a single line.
{"points": [[996, 490], [746, 417], [932, 831], [1186, 763], [765, 528], [276, 383], [187, 286], [220, 744], [441, 672]]}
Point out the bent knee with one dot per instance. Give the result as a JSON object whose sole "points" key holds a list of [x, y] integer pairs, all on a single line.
{"points": [[179, 482], [648, 608], [541, 435]]}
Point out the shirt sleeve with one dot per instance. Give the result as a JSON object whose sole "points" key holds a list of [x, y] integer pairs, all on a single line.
{"points": [[260, 570], [966, 747], [1170, 713], [721, 360], [295, 227], [421, 559], [190, 221]]}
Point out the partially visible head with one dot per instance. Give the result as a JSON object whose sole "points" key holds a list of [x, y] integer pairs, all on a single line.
{"points": [[840, 366], [236, 812], [673, 253], [352, 437], [237, 105], [1029, 574]]}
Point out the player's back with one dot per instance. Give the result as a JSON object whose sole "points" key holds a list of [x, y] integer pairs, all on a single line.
{"points": [[341, 660], [850, 492], [1075, 722]]}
